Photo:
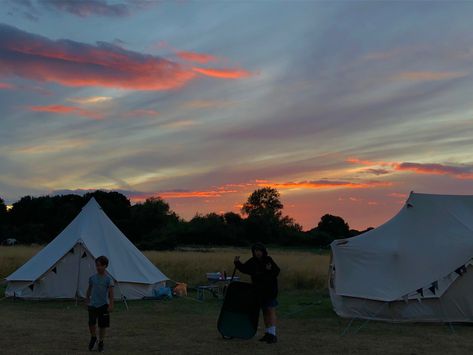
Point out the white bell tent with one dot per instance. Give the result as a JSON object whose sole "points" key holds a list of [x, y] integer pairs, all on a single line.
{"points": [[415, 267], [63, 267]]}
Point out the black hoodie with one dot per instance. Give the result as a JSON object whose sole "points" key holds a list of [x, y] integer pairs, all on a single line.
{"points": [[265, 280]]}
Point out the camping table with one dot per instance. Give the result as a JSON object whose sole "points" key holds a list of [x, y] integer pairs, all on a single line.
{"points": [[216, 287], [213, 289]]}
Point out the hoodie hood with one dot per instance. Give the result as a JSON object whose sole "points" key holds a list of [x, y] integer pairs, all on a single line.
{"points": [[259, 246]]}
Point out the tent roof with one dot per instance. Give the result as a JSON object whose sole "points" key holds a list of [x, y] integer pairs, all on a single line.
{"points": [[100, 236], [430, 237]]}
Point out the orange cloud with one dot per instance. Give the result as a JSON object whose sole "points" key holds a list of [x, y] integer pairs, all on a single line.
{"points": [[178, 194], [64, 110], [223, 73], [323, 184], [398, 195], [430, 75], [196, 57]]}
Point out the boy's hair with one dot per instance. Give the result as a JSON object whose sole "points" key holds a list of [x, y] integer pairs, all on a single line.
{"points": [[102, 260]]}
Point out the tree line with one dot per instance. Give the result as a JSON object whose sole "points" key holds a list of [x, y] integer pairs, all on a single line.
{"points": [[153, 225]]}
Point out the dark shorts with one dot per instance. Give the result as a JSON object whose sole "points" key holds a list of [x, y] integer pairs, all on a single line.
{"points": [[271, 303], [101, 314]]}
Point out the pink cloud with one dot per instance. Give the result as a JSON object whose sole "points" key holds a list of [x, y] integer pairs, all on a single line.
{"points": [[65, 110], [141, 112], [6, 86], [458, 171], [196, 57], [76, 64]]}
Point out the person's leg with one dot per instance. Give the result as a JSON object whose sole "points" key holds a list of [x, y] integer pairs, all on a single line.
{"points": [[266, 318], [266, 325], [93, 331], [271, 314], [104, 323], [271, 324], [92, 328], [101, 334], [101, 337]]}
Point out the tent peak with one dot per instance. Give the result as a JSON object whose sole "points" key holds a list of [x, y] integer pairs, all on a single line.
{"points": [[92, 203]]}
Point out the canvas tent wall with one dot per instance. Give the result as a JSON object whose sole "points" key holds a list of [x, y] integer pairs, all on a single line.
{"points": [[62, 268], [415, 267]]}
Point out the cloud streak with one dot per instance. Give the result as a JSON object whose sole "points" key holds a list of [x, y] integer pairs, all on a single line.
{"points": [[67, 110], [6, 86], [323, 184], [141, 113], [430, 75], [85, 8], [461, 172], [464, 171], [76, 64], [196, 57], [90, 100], [223, 73]]}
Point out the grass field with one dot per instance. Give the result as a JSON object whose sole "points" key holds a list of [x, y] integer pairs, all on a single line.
{"points": [[307, 324]]}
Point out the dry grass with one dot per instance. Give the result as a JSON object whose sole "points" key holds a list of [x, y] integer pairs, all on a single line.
{"points": [[11, 258], [307, 324], [299, 269], [185, 326]]}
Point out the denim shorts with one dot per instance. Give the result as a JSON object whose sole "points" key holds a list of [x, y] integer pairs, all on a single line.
{"points": [[271, 303]]}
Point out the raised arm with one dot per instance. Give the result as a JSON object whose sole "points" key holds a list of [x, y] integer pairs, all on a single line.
{"points": [[246, 268]]}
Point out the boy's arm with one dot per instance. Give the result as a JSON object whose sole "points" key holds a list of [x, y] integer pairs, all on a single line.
{"points": [[110, 298], [87, 295]]}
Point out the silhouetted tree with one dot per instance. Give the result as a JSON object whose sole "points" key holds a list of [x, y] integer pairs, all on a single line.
{"points": [[3, 221], [3, 212], [264, 202], [150, 218], [334, 226]]}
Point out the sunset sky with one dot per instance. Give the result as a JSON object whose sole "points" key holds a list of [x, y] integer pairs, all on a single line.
{"points": [[344, 107]]}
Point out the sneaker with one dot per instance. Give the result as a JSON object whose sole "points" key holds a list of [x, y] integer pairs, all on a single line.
{"points": [[92, 342], [100, 346], [272, 339], [265, 337]]}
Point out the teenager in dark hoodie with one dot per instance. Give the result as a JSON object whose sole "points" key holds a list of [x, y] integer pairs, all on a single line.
{"points": [[264, 272]]}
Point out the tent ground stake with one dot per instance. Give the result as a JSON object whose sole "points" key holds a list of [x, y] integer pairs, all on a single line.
{"points": [[347, 327]]}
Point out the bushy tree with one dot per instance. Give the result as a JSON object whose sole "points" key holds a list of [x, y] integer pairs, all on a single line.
{"points": [[264, 202], [334, 226], [3, 211], [150, 218]]}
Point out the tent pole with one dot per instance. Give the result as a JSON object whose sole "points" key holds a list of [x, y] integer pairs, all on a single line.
{"points": [[368, 320], [345, 331], [123, 297], [365, 322], [450, 325], [78, 279]]}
